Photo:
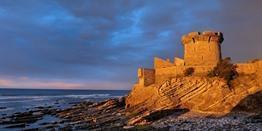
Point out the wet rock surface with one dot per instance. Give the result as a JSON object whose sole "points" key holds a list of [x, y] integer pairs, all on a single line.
{"points": [[24, 119], [111, 115]]}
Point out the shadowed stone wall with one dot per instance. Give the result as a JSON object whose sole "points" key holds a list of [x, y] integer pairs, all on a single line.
{"points": [[146, 76]]}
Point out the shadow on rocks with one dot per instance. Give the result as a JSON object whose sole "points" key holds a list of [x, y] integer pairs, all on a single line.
{"points": [[251, 103], [163, 113]]}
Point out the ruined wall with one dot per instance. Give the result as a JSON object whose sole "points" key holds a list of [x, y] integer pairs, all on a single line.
{"points": [[250, 68], [146, 76], [245, 68], [160, 63], [179, 61], [202, 52], [163, 74], [202, 48]]}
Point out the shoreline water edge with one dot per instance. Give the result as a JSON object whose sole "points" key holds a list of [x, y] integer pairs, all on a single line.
{"points": [[110, 114]]}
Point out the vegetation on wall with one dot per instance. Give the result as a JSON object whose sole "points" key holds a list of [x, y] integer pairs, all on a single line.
{"points": [[224, 69], [189, 71]]}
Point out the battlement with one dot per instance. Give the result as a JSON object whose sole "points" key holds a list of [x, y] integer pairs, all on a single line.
{"points": [[202, 48], [207, 36]]}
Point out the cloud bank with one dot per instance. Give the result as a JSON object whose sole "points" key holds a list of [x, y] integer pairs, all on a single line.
{"points": [[105, 41]]}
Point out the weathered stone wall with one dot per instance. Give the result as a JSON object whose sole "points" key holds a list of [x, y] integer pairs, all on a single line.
{"points": [[202, 48], [146, 76], [160, 63], [163, 74], [250, 68], [179, 61], [245, 68]]}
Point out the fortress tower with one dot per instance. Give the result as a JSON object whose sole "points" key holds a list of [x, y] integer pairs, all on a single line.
{"points": [[201, 52], [202, 48]]}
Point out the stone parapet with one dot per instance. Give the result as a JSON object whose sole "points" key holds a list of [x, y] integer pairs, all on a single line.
{"points": [[202, 48]]}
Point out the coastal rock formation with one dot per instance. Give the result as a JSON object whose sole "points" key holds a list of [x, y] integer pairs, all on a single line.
{"points": [[166, 87], [110, 115], [203, 94]]}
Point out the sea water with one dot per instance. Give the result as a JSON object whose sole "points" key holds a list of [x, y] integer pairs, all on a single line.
{"points": [[20, 100]]}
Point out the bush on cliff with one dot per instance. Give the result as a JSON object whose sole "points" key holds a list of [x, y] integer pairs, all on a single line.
{"points": [[189, 71], [224, 69]]}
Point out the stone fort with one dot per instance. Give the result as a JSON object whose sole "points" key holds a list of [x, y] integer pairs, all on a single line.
{"points": [[202, 51]]}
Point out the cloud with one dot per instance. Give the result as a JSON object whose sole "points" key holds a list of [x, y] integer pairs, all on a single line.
{"points": [[108, 40]]}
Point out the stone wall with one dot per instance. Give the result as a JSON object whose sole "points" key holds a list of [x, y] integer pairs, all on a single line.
{"points": [[250, 68], [146, 76], [202, 48], [179, 61], [245, 68], [160, 63], [159, 75], [163, 74]]}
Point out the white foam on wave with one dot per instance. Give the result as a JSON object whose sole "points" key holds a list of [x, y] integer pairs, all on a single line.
{"points": [[7, 109], [89, 96], [20, 97], [6, 99]]}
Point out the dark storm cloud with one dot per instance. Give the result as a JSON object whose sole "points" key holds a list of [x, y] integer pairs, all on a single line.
{"points": [[241, 23], [101, 40]]}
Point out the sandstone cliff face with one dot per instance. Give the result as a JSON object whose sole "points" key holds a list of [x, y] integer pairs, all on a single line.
{"points": [[201, 94], [164, 88]]}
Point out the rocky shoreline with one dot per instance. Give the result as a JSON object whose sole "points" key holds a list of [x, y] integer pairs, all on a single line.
{"points": [[111, 115]]}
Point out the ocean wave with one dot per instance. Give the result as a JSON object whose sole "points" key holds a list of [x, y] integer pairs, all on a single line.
{"points": [[89, 96], [18, 101], [26, 98], [21, 97], [7, 109]]}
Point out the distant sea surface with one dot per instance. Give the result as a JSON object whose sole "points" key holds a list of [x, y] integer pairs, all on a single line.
{"points": [[19, 100]]}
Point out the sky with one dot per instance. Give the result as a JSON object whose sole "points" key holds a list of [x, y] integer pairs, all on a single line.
{"points": [[99, 44]]}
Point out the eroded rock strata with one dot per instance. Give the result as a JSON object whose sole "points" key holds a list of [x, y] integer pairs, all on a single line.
{"points": [[203, 94]]}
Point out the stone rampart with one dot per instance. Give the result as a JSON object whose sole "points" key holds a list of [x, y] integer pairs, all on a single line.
{"points": [[163, 74], [250, 68], [160, 63]]}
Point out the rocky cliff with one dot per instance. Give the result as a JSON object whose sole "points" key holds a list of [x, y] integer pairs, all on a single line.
{"points": [[210, 95], [213, 85]]}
